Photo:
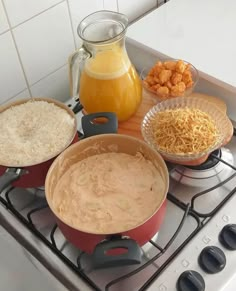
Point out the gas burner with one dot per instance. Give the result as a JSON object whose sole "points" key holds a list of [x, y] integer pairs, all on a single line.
{"points": [[40, 192], [148, 248], [206, 173], [209, 163]]}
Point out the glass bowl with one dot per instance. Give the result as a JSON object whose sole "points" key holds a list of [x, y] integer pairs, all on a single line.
{"points": [[221, 120], [160, 96]]}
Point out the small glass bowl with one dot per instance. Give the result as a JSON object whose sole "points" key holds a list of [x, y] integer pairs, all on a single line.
{"points": [[221, 120], [159, 97]]}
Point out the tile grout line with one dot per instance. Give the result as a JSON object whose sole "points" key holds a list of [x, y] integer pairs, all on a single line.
{"points": [[44, 77], [17, 51], [1, 33], [5, 31], [49, 74], [117, 7], [71, 23], [117, 4], [35, 15], [9, 99]]}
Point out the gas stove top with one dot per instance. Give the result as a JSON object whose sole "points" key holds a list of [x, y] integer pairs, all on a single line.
{"points": [[199, 205]]}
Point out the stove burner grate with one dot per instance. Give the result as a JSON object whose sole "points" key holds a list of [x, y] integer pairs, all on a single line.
{"points": [[28, 220], [211, 161]]}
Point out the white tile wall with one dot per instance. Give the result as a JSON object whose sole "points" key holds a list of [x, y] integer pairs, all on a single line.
{"points": [[21, 10], [36, 38], [134, 8], [3, 19], [22, 95], [110, 5], [55, 85], [11, 75], [79, 11], [49, 45]]}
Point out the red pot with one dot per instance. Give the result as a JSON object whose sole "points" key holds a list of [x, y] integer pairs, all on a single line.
{"points": [[92, 242], [34, 175], [141, 234]]}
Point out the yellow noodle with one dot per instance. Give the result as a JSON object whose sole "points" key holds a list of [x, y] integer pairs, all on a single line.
{"points": [[184, 131]]}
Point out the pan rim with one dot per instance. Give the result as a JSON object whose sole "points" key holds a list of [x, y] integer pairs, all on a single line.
{"points": [[49, 100], [101, 136]]}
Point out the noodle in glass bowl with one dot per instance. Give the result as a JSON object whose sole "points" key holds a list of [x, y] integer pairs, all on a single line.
{"points": [[186, 130]]}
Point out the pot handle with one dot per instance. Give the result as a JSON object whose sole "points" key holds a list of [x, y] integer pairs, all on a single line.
{"points": [[11, 175], [91, 127], [102, 259]]}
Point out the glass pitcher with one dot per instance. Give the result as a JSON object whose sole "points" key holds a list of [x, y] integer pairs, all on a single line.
{"points": [[100, 70]]}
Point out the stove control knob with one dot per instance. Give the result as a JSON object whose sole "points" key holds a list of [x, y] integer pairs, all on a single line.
{"points": [[212, 260], [189, 281], [227, 237]]}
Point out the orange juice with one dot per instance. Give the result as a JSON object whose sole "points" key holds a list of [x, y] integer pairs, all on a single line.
{"points": [[110, 83]]}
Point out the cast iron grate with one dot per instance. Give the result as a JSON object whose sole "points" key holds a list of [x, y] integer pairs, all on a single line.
{"points": [[188, 209], [28, 221]]}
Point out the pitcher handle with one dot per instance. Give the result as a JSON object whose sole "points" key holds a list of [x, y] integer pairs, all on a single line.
{"points": [[75, 61]]}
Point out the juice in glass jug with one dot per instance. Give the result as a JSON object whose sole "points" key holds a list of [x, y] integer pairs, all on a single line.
{"points": [[108, 82]]}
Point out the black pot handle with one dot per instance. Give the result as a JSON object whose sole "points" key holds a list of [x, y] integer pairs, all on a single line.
{"points": [[11, 175], [101, 258], [91, 128], [77, 108]]}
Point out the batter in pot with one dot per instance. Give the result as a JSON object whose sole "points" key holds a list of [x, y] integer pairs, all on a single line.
{"points": [[109, 193]]}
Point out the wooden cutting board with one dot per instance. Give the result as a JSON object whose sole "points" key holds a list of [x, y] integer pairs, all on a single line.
{"points": [[133, 125]]}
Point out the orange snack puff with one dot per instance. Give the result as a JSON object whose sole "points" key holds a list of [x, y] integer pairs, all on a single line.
{"points": [[169, 79]]}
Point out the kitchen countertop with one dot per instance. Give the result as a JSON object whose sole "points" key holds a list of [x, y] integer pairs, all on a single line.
{"points": [[200, 32]]}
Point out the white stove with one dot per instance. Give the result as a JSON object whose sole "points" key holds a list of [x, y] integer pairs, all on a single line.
{"points": [[201, 201], [216, 270]]}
